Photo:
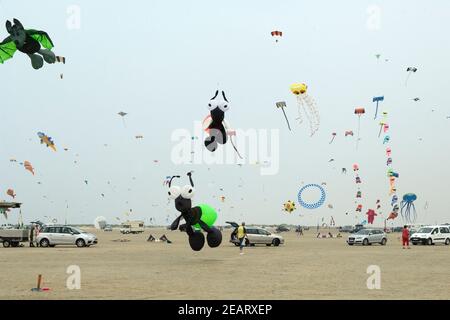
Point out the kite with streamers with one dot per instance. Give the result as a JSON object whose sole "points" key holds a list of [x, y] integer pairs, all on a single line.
{"points": [[281, 105], [359, 112], [377, 100], [410, 70], [307, 103], [333, 136]]}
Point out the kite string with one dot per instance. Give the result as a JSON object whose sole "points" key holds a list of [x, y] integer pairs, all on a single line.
{"points": [[299, 106]]}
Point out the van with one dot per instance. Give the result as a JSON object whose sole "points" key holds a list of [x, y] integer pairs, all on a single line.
{"points": [[431, 235], [132, 227]]}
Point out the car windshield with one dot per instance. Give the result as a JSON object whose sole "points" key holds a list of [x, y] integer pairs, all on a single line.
{"points": [[363, 231], [79, 230], [425, 230]]}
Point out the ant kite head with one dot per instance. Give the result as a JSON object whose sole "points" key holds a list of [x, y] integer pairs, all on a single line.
{"points": [[219, 101], [182, 195]]}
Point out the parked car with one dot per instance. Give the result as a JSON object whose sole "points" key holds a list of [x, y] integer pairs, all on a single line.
{"points": [[357, 228], [346, 229], [108, 228], [367, 237], [51, 236], [283, 228], [256, 235], [431, 234]]}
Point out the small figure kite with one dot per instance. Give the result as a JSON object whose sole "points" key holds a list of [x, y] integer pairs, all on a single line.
{"points": [[28, 167], [10, 192], [29, 42], [47, 140], [289, 206]]}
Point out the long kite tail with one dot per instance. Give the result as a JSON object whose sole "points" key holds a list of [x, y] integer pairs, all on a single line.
{"points": [[299, 106], [286, 119], [376, 111], [234, 147]]}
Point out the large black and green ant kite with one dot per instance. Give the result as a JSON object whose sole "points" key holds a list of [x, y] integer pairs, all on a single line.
{"points": [[29, 42]]}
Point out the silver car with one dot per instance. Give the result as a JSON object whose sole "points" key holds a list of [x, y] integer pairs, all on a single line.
{"points": [[51, 236], [256, 235], [367, 237]]}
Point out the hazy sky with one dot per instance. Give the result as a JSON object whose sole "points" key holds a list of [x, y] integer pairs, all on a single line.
{"points": [[161, 61]]}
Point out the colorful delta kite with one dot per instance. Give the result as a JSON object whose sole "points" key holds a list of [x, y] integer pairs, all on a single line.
{"points": [[276, 34], [29, 42], [359, 112], [216, 126], [282, 105], [410, 70], [307, 103], [47, 140], [28, 166], [289, 206], [377, 99], [198, 219], [314, 205], [408, 210]]}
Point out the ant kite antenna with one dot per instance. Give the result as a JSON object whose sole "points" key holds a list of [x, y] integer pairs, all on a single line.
{"points": [[170, 182]]}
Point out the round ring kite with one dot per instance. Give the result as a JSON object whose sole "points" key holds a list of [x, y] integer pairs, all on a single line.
{"points": [[311, 205]]}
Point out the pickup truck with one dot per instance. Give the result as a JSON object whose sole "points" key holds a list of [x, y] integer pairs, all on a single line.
{"points": [[13, 237]]}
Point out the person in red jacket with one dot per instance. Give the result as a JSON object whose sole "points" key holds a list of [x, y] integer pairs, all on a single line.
{"points": [[405, 237]]}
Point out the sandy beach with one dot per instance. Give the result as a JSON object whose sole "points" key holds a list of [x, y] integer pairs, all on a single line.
{"points": [[304, 268]]}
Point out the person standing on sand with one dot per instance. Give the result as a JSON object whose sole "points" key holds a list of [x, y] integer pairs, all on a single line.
{"points": [[405, 237], [31, 238], [241, 234]]}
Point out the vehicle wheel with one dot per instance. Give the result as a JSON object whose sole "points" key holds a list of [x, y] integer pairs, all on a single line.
{"points": [[247, 243], [447, 241], [429, 242], [365, 242], [350, 244], [276, 242], [80, 243], [6, 243], [414, 243], [44, 243], [383, 242]]}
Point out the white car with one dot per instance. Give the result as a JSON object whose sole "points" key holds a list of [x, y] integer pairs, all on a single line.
{"points": [[256, 235], [367, 237], [431, 234], [51, 236]]}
